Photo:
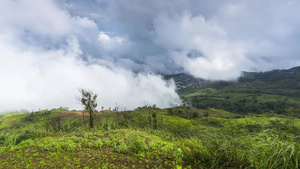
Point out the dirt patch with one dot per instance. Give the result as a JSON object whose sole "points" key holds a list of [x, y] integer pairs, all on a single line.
{"points": [[78, 114], [75, 114], [11, 123]]}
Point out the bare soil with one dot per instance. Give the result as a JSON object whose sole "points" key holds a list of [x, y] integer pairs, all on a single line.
{"points": [[78, 114]]}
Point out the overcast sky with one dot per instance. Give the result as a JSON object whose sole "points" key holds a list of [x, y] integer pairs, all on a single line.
{"points": [[118, 49]]}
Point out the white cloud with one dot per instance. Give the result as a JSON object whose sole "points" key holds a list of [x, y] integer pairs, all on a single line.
{"points": [[267, 28], [35, 16], [109, 43], [45, 79], [260, 29], [85, 29], [219, 58], [66, 43], [42, 65]]}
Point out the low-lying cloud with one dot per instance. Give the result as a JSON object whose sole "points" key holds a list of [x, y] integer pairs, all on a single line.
{"points": [[44, 60], [38, 79]]}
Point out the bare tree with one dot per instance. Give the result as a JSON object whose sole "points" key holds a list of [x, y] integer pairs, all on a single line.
{"points": [[88, 100]]}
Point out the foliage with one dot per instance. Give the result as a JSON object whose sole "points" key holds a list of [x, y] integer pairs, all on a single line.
{"points": [[88, 100], [213, 138]]}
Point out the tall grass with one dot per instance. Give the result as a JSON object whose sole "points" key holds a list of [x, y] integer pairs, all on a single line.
{"points": [[215, 150], [275, 153]]}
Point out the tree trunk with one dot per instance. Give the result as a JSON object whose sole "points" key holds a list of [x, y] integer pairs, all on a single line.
{"points": [[91, 120], [83, 118]]}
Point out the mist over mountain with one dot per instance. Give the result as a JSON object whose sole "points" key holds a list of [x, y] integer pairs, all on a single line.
{"points": [[278, 82], [50, 48]]}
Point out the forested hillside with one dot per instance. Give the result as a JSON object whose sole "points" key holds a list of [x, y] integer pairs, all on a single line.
{"points": [[275, 91]]}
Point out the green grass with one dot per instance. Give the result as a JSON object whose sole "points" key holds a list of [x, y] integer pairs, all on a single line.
{"points": [[8, 120], [201, 92], [97, 149], [212, 139]]}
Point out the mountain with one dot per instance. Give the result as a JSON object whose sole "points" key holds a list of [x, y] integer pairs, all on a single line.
{"points": [[281, 82], [275, 91], [185, 81]]}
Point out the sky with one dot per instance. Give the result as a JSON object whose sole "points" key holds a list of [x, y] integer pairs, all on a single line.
{"points": [[49, 49]]}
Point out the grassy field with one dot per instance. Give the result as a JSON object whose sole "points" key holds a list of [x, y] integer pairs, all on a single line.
{"points": [[149, 137], [10, 119]]}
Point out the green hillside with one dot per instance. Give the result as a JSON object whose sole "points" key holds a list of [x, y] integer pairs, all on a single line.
{"points": [[280, 82], [179, 137], [275, 91], [251, 123]]}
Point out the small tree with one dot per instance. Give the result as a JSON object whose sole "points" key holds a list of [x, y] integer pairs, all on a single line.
{"points": [[88, 99]]}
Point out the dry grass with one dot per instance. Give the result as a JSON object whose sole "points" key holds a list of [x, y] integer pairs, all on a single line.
{"points": [[78, 114]]}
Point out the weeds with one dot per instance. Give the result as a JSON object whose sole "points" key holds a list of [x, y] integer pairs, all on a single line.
{"points": [[206, 142], [136, 145]]}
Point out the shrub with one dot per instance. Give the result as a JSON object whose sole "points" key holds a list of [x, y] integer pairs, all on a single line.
{"points": [[20, 138], [2, 139], [99, 143], [136, 145], [122, 148]]}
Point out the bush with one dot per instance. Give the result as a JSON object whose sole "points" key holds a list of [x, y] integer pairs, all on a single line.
{"points": [[2, 139], [184, 111], [122, 148], [254, 127], [136, 145], [20, 138]]}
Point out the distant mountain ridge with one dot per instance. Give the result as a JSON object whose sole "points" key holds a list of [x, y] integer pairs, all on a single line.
{"points": [[184, 81], [282, 82]]}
